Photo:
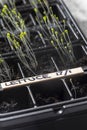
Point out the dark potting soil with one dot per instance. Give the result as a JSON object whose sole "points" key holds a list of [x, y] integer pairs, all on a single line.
{"points": [[78, 86], [46, 99], [81, 62], [7, 106], [81, 91], [4, 47], [14, 99], [21, 2], [49, 92]]}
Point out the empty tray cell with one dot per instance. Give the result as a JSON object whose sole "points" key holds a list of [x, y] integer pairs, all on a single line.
{"points": [[4, 46], [49, 92], [81, 55], [14, 99], [78, 86], [21, 2]]}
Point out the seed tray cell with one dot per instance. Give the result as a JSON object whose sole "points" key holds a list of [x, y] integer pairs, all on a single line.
{"points": [[80, 59], [50, 92], [77, 49], [14, 100], [4, 46], [13, 64], [78, 86]]}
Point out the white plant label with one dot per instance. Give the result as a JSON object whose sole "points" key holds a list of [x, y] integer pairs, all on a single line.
{"points": [[42, 78]]}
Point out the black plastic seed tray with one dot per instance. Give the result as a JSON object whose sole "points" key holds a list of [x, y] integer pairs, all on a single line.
{"points": [[54, 94]]}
